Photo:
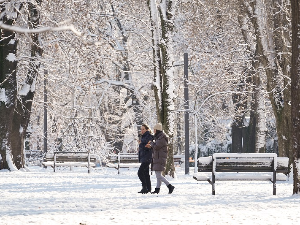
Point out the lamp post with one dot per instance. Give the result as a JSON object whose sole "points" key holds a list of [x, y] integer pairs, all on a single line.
{"points": [[196, 145], [186, 114], [45, 110]]}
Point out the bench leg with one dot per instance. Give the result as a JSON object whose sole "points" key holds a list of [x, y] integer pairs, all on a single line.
{"points": [[274, 182], [54, 162], [89, 162], [213, 183]]}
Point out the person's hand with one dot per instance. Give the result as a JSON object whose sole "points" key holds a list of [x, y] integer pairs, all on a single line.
{"points": [[148, 145]]}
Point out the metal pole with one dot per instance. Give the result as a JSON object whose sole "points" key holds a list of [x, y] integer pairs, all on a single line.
{"points": [[90, 134], [196, 146], [45, 110], [186, 114]]}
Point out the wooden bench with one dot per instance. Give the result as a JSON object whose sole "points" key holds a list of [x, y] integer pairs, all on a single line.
{"points": [[71, 159], [124, 160], [178, 159], [131, 160], [33, 157], [238, 163]]}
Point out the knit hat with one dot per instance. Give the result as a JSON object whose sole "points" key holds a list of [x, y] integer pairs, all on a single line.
{"points": [[158, 126]]}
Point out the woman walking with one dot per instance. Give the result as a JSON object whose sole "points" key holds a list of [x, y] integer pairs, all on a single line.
{"points": [[160, 153], [145, 158]]}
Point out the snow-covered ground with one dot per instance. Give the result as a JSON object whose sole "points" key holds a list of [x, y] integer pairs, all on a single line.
{"points": [[104, 197]]}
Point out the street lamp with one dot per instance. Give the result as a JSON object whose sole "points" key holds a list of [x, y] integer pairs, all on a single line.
{"points": [[45, 110], [186, 114]]}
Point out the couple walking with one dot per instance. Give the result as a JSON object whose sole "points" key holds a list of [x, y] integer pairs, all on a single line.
{"points": [[153, 149]]}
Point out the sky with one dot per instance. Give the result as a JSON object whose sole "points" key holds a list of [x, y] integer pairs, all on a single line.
{"points": [[40, 196]]}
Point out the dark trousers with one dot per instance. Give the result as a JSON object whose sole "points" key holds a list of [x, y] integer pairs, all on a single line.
{"points": [[144, 175]]}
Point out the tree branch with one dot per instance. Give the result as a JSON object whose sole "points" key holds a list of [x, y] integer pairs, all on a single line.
{"points": [[39, 30]]}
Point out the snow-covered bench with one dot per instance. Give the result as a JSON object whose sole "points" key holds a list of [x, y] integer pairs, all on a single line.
{"points": [[262, 166], [179, 159], [124, 160], [71, 159], [131, 160]]}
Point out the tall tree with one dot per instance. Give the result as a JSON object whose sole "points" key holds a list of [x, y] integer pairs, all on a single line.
{"points": [[162, 21], [281, 16], [8, 82], [16, 109], [295, 91], [270, 23]]}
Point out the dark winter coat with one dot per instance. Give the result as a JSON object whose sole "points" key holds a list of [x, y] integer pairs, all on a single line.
{"points": [[160, 151], [145, 154]]}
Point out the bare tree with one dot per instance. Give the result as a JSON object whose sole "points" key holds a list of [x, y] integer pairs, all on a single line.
{"points": [[162, 21], [272, 56]]}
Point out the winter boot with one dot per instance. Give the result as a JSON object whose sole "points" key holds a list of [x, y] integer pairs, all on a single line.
{"points": [[144, 191], [171, 188], [156, 191]]}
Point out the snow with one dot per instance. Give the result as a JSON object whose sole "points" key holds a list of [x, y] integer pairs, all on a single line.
{"points": [[245, 155], [11, 57], [41, 196], [21, 130], [205, 160], [39, 30], [297, 163], [9, 161], [12, 41], [3, 97], [281, 161], [119, 47], [233, 176], [24, 90]]}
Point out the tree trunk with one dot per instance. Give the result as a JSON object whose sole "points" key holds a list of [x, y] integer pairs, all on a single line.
{"points": [[236, 133], [295, 91], [238, 121], [8, 97], [272, 54], [260, 140], [280, 102], [249, 132], [15, 111], [282, 40], [162, 16]]}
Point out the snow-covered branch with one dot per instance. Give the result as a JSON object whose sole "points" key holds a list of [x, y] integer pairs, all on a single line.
{"points": [[116, 83], [212, 95], [39, 30]]}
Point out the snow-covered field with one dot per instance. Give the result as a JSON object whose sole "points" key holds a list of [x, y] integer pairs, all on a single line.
{"points": [[104, 197]]}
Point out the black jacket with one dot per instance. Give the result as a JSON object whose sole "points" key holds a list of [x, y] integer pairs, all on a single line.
{"points": [[145, 154]]}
